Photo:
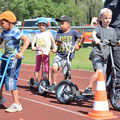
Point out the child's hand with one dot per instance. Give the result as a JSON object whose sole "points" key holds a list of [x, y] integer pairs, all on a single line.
{"points": [[77, 47], [97, 41], [34, 48], [54, 50], [119, 43], [94, 20], [58, 43], [19, 55]]}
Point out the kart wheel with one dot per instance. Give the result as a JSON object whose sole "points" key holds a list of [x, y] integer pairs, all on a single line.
{"points": [[31, 82], [43, 85], [65, 91], [115, 98]]}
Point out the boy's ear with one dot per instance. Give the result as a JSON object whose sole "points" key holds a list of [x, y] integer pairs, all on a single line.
{"points": [[68, 24]]}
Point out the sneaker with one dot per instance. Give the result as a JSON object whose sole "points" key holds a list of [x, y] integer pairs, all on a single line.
{"points": [[87, 92], [2, 100], [51, 87], [36, 84], [14, 108]]}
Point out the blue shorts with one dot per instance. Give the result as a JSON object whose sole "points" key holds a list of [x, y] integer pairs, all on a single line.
{"points": [[12, 73]]}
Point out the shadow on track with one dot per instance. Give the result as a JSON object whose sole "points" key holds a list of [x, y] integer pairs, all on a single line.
{"points": [[2, 107], [35, 91], [87, 103]]}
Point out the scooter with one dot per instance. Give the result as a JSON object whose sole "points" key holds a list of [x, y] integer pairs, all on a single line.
{"points": [[66, 91], [11, 57], [112, 84], [44, 84], [43, 87], [32, 81], [6, 66]]}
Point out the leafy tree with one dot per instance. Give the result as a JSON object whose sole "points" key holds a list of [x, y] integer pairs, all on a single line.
{"points": [[91, 8], [17, 6], [81, 11]]}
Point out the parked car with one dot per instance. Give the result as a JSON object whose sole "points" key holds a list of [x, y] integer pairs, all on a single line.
{"points": [[30, 28]]}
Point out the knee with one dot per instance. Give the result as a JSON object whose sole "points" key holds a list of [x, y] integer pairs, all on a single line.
{"points": [[54, 69]]}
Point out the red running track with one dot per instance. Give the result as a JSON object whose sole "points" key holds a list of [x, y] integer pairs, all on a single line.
{"points": [[36, 107]]}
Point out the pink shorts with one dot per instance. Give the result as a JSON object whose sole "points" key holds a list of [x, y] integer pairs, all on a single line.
{"points": [[45, 61]]}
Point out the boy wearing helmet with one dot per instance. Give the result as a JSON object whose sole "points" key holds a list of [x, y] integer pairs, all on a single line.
{"points": [[43, 41], [11, 36]]}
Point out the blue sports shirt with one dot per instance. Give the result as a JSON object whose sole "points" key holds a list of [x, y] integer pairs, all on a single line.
{"points": [[11, 40], [70, 38]]}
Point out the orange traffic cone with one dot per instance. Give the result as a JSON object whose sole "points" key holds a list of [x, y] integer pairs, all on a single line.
{"points": [[100, 105]]}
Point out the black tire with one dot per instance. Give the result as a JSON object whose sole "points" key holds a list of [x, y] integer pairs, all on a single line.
{"points": [[115, 99], [68, 89], [31, 82], [44, 83]]}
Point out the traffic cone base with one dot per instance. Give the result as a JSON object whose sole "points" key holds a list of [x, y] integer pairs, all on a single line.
{"points": [[100, 105], [101, 114]]}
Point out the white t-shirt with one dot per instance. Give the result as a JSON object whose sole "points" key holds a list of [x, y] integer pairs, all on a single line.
{"points": [[43, 41]]}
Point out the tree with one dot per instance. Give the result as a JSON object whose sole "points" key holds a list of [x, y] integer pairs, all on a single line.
{"points": [[18, 7], [81, 11], [91, 8]]}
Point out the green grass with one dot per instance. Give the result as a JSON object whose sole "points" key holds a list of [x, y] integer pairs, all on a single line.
{"points": [[81, 60]]}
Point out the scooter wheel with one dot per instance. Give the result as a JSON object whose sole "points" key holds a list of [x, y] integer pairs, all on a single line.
{"points": [[115, 98], [42, 86], [31, 82], [65, 92]]}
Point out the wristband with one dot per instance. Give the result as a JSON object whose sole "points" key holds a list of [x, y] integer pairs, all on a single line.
{"points": [[79, 44]]}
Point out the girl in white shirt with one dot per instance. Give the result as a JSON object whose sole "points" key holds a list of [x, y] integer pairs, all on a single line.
{"points": [[43, 41]]}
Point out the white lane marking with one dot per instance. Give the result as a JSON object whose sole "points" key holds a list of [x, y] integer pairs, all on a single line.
{"points": [[90, 71], [42, 103], [62, 75], [51, 67], [23, 80]]}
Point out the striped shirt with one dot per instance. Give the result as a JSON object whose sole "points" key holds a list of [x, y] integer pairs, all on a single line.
{"points": [[11, 40]]}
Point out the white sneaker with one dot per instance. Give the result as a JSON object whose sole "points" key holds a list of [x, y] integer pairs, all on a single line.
{"points": [[2, 100], [14, 108]]}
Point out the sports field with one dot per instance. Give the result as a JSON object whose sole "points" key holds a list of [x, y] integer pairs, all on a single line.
{"points": [[36, 107], [81, 60]]}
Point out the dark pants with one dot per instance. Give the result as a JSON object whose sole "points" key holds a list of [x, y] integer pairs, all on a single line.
{"points": [[116, 57]]}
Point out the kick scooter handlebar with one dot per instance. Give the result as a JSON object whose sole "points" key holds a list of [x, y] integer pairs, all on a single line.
{"points": [[38, 49], [107, 42], [81, 41]]}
